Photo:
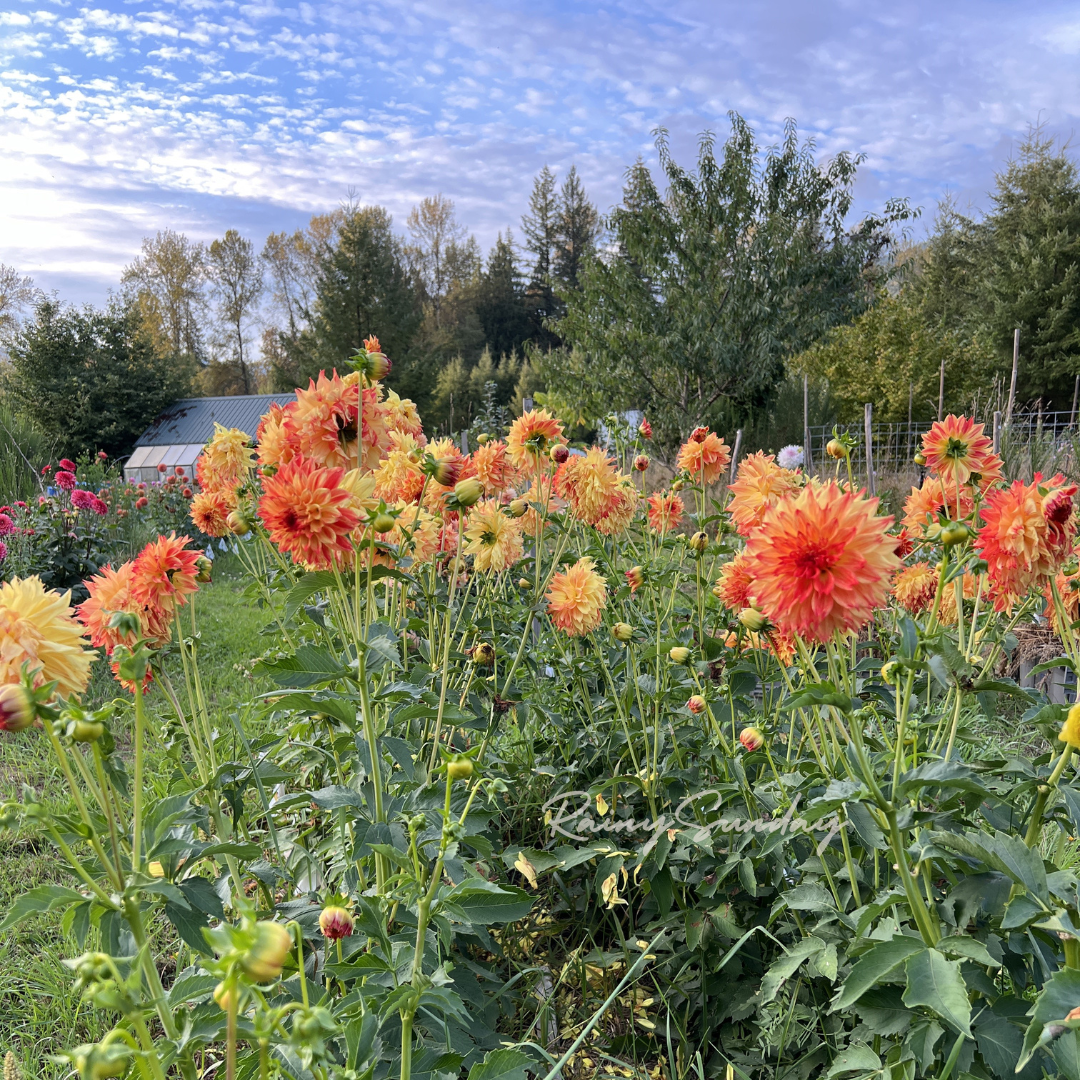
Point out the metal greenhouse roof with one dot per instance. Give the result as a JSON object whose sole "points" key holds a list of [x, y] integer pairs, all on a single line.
{"points": [[191, 420]]}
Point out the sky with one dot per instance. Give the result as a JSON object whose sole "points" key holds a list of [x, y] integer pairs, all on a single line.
{"points": [[124, 117]]}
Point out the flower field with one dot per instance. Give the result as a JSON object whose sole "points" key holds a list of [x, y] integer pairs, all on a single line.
{"points": [[549, 775]]}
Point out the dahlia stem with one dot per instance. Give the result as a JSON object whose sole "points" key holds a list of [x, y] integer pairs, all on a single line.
{"points": [[140, 724]]}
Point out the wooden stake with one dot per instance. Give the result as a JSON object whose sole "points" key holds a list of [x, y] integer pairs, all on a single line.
{"points": [[997, 432], [1076, 394], [735, 453], [1012, 384], [868, 422], [941, 390], [808, 463]]}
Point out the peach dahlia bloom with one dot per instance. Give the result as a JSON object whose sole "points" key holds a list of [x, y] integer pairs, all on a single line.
{"points": [[922, 506], [621, 512], [915, 587], [493, 539], [36, 629], [165, 572], [271, 437], [760, 483], [734, 585], [111, 593], [704, 456], [226, 460], [398, 476], [307, 512], [210, 511], [957, 447], [1027, 535], [323, 423], [589, 484], [822, 561], [531, 435], [494, 469], [665, 511], [576, 598]]}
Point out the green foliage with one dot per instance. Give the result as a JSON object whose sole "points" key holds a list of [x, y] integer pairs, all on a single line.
{"points": [[892, 355], [90, 380], [711, 285], [23, 452]]}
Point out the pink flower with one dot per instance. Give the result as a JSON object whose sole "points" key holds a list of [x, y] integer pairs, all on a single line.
{"points": [[100, 508], [82, 500], [3, 551], [46, 469], [162, 468], [6, 525], [65, 480], [67, 463], [102, 456], [21, 503]]}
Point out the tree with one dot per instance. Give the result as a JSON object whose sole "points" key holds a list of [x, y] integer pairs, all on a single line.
{"points": [[710, 287], [892, 356], [363, 287], [92, 380], [575, 233], [1031, 274], [540, 226], [166, 282], [17, 292], [441, 255], [236, 285], [500, 300]]}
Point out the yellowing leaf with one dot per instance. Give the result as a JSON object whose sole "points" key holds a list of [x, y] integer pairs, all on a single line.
{"points": [[601, 804], [609, 890], [525, 868]]}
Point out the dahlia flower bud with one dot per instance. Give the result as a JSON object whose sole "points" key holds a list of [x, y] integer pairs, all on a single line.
{"points": [[383, 523], [954, 533], [225, 996], [699, 542], [446, 471], [751, 739], [524, 584], [415, 456], [518, 507], [679, 654], [237, 522], [699, 434], [187, 493], [678, 485], [461, 768], [635, 577], [204, 568], [335, 923], [622, 631], [16, 707], [920, 459], [836, 449], [645, 428], [265, 958], [483, 655], [696, 704], [468, 492], [87, 731], [98, 1061], [374, 366], [753, 620], [641, 462], [483, 439], [559, 453], [888, 672]]}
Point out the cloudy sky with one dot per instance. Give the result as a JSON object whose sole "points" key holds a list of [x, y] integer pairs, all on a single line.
{"points": [[121, 118]]}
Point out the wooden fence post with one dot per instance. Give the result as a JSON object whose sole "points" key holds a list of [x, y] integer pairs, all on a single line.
{"points": [[808, 461], [1012, 384], [735, 454], [997, 432], [868, 423]]}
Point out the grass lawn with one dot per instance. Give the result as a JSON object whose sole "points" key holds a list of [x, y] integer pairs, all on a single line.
{"points": [[41, 1013]]}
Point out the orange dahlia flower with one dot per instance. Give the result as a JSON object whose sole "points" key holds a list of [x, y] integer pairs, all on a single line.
{"points": [[493, 539], [1027, 535], [821, 561], [922, 506], [272, 438], [704, 456], [915, 587], [494, 468], [416, 532], [111, 593], [589, 484], [306, 511], [759, 485], [165, 572], [665, 511], [210, 511], [972, 584], [1068, 587], [622, 510], [401, 414], [576, 598], [323, 424], [532, 435], [734, 586], [398, 476], [226, 460], [36, 629], [956, 448]]}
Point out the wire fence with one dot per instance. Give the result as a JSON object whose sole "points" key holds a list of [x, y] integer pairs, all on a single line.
{"points": [[1032, 441]]}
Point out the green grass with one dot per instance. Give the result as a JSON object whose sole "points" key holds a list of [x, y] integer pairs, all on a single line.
{"points": [[41, 1013]]}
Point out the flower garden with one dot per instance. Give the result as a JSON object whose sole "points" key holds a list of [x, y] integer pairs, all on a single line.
{"points": [[552, 775]]}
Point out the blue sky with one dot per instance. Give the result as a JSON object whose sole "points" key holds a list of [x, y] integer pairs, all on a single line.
{"points": [[121, 118]]}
